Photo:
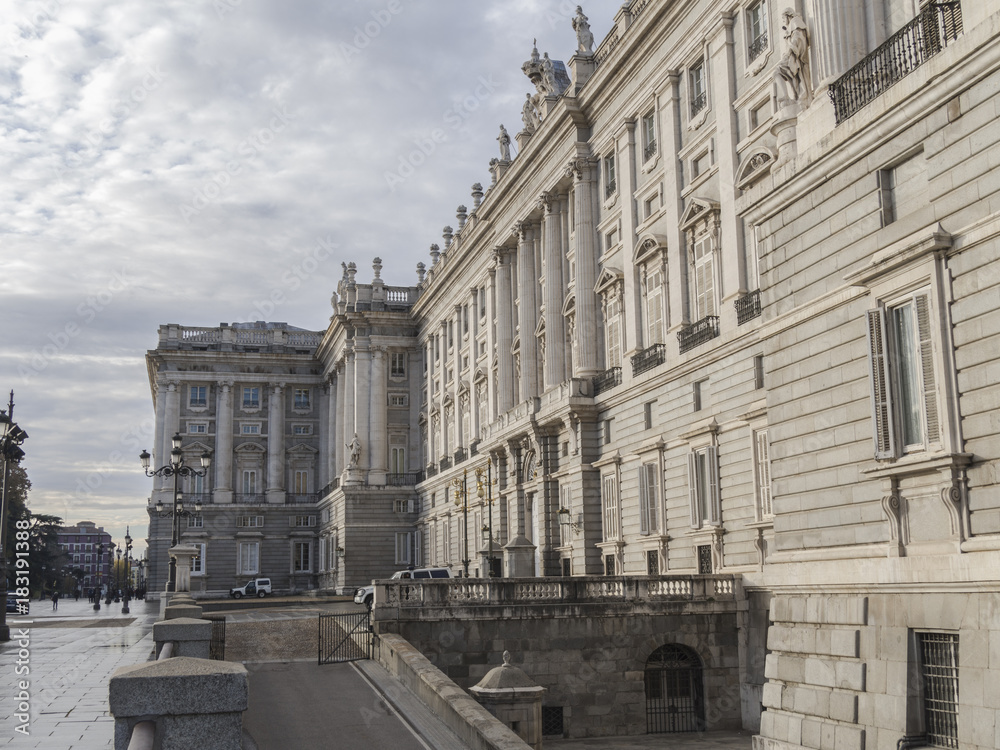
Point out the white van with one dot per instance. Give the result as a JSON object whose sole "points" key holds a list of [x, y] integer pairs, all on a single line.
{"points": [[366, 594]]}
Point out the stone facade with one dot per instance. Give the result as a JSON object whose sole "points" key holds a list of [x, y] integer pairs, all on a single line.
{"points": [[693, 327]]}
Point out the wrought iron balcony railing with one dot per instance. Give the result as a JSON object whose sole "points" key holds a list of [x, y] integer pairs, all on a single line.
{"points": [[460, 455], [757, 46], [698, 333], [748, 307], [648, 358], [698, 103], [249, 498], [649, 151], [404, 480], [444, 463], [607, 380], [430, 471], [610, 188], [293, 499], [937, 24]]}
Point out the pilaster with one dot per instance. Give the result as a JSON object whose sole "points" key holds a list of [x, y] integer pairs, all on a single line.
{"points": [[223, 459], [362, 403], [555, 333], [377, 435], [528, 310], [276, 444], [588, 359], [505, 363]]}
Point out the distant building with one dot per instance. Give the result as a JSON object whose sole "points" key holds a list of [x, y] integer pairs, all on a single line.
{"points": [[80, 544], [733, 308]]}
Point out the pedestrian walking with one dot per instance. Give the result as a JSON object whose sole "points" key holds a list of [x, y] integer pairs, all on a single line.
{"points": [[55, 600]]}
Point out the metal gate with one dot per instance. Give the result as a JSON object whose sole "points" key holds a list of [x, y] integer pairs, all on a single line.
{"points": [[674, 693], [346, 637], [217, 646]]}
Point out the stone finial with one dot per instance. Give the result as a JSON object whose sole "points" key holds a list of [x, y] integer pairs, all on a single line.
{"points": [[462, 214], [477, 195], [447, 234], [377, 268], [506, 658], [421, 270], [344, 266], [435, 255], [352, 269]]}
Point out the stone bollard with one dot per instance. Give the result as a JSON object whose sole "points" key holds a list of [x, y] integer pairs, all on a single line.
{"points": [[191, 637], [510, 695], [193, 702]]}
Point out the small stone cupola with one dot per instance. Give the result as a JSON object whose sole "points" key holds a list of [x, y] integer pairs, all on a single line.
{"points": [[510, 695]]}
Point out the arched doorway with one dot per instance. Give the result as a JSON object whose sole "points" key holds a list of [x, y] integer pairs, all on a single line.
{"points": [[675, 698]]}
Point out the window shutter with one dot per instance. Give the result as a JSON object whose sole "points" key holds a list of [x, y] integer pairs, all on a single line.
{"points": [[712, 479], [654, 305], [763, 476], [652, 488], [417, 559], [693, 489], [643, 501], [878, 367], [927, 367]]}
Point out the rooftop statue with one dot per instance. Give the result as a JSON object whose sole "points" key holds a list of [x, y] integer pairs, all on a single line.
{"points": [[792, 75], [529, 115], [504, 139], [549, 76], [584, 37]]}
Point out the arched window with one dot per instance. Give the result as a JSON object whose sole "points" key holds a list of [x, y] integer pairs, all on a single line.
{"points": [[675, 699]]}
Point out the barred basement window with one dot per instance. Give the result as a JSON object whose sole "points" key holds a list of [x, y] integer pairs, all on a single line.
{"points": [[552, 721], [938, 654]]}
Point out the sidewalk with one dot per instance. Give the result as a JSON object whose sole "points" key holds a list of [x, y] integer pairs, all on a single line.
{"points": [[72, 654]]}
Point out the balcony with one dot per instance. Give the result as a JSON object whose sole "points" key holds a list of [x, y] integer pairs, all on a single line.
{"points": [[649, 151], [698, 103], [444, 464], [610, 188], [649, 358], [748, 307], [301, 499], [698, 333], [460, 455], [607, 380], [404, 480], [937, 24], [430, 471], [757, 46], [249, 498]]}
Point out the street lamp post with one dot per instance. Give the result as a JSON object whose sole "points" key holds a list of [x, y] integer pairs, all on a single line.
{"points": [[118, 575], [128, 571], [462, 501], [111, 563], [176, 468], [11, 439], [489, 504]]}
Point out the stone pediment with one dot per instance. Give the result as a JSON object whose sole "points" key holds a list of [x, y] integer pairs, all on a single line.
{"points": [[649, 244], [756, 164], [697, 210], [197, 448], [480, 376], [607, 278], [302, 450], [540, 328], [569, 304], [250, 448]]}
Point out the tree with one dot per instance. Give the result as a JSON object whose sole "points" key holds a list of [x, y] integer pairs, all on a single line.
{"points": [[45, 557], [18, 485]]}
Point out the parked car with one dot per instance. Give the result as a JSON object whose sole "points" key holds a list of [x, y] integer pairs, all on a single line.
{"points": [[258, 586], [14, 608], [366, 594]]}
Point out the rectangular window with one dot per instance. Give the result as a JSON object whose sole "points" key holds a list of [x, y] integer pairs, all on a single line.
{"points": [[696, 87], [698, 392], [648, 136], [705, 559], [197, 428], [903, 383], [760, 114], [938, 654], [251, 398], [195, 522], [609, 565], [198, 561], [302, 429], [301, 483], [398, 400], [301, 398], [647, 415], [654, 305], [404, 543], [758, 371], [303, 522], [703, 486], [649, 493], [198, 395], [249, 482], [301, 557], [610, 180], [700, 164], [401, 506], [606, 431], [609, 497], [704, 277], [397, 460], [756, 30], [902, 188], [250, 522], [652, 562], [249, 561], [250, 428], [397, 365], [762, 475], [613, 310]]}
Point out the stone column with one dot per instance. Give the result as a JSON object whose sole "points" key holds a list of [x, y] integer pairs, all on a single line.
{"points": [[588, 353], [505, 386], [348, 410], [837, 39], [339, 408], [677, 269], [161, 420], [223, 458], [276, 444], [567, 344], [430, 456], [170, 425], [731, 260], [362, 403], [632, 320], [528, 312], [553, 293], [492, 385], [377, 434], [459, 438], [324, 469]]}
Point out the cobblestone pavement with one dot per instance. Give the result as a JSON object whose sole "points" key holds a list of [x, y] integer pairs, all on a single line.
{"points": [[72, 653], [702, 741]]}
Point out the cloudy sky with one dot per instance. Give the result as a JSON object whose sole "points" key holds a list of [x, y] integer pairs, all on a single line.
{"points": [[183, 162]]}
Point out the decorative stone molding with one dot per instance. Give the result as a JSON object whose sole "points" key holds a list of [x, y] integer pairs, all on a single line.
{"points": [[753, 167]]}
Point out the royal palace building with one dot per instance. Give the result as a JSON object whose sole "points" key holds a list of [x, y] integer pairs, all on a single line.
{"points": [[733, 308]]}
